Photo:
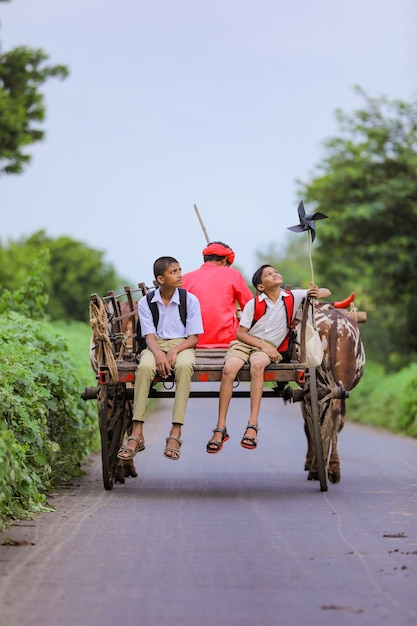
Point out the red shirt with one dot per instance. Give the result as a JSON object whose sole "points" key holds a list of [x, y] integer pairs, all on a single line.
{"points": [[218, 288]]}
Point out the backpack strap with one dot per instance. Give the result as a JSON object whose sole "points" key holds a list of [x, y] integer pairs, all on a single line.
{"points": [[289, 309], [259, 309], [153, 307], [182, 307]]}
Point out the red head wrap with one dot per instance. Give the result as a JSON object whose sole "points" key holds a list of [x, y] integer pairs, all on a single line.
{"points": [[219, 250]]}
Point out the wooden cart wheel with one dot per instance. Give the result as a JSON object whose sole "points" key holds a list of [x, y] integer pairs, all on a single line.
{"points": [[111, 401], [319, 394], [102, 399], [316, 428]]}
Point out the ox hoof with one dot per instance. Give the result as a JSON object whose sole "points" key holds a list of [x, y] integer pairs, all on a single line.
{"points": [[313, 476], [124, 469], [119, 475], [129, 468], [334, 476]]}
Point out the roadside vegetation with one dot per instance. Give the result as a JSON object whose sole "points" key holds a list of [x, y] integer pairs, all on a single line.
{"points": [[386, 400], [46, 430]]}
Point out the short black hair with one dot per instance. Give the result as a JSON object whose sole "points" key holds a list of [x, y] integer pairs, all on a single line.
{"points": [[257, 277], [162, 264]]}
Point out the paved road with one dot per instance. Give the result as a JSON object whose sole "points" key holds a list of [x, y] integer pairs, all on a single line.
{"points": [[238, 539]]}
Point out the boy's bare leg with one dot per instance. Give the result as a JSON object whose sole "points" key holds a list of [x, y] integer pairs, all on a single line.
{"points": [[258, 363], [257, 368], [230, 370]]}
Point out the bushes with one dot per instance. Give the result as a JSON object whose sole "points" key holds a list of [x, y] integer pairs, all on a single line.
{"points": [[408, 402], [46, 429], [387, 400]]}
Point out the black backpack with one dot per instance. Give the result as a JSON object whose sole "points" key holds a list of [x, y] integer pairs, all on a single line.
{"points": [[182, 309]]}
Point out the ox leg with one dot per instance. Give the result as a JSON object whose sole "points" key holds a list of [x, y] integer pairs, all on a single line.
{"points": [[124, 469], [310, 451], [334, 473], [310, 465]]}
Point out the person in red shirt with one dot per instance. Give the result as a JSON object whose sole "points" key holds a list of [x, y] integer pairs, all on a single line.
{"points": [[219, 288]]}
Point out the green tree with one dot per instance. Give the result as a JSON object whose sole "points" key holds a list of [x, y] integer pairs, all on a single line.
{"points": [[74, 272], [22, 72], [30, 299], [367, 184]]}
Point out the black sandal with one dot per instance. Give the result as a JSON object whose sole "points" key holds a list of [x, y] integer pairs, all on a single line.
{"points": [[250, 443], [214, 446]]}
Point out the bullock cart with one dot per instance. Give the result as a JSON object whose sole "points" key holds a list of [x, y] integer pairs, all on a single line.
{"points": [[114, 358]]}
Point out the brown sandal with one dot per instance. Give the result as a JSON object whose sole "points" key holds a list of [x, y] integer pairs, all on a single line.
{"points": [[175, 452], [129, 451]]}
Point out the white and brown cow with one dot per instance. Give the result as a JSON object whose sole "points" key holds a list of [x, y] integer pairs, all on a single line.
{"points": [[344, 360]]}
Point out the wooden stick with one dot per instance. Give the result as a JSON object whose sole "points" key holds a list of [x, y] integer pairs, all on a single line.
{"points": [[202, 224]]}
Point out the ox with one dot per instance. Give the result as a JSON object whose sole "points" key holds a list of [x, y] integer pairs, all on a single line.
{"points": [[344, 361]]}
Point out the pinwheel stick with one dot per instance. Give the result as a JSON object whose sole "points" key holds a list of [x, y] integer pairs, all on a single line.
{"points": [[310, 256]]}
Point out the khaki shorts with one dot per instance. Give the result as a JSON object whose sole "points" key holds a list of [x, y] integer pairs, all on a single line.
{"points": [[243, 350]]}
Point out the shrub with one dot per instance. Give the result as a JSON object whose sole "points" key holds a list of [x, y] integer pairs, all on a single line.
{"points": [[387, 400], [46, 429]]}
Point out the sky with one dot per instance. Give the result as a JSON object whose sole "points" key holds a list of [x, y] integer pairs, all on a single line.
{"points": [[223, 104]]}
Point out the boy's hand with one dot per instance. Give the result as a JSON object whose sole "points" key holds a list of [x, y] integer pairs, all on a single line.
{"points": [[313, 291], [163, 367], [273, 353]]}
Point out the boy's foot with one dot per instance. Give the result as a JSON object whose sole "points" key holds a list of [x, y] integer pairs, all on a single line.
{"points": [[173, 452], [250, 443], [128, 452], [215, 445]]}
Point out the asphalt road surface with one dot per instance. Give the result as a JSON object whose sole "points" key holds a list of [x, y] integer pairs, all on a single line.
{"points": [[238, 538]]}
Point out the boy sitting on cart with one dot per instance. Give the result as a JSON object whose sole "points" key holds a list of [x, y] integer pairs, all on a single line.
{"points": [[259, 342]]}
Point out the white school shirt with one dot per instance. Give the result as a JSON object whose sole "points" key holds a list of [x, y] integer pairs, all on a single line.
{"points": [[170, 325], [273, 325]]}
